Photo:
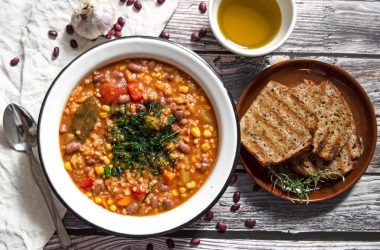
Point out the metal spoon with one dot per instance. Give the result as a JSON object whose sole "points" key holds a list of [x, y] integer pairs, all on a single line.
{"points": [[21, 132]]}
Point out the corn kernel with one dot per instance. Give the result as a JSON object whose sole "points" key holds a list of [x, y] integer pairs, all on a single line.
{"points": [[105, 108], [175, 193], [68, 166], [110, 156], [191, 185], [103, 115], [72, 111], [182, 190], [207, 133], [184, 89], [108, 146], [195, 131], [106, 160], [99, 170], [109, 202], [183, 195], [98, 200], [88, 194], [205, 147], [113, 208]]}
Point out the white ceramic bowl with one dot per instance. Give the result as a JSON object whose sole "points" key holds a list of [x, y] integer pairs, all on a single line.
{"points": [[138, 47], [288, 13]]}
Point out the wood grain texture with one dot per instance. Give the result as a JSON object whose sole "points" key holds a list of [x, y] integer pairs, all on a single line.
{"points": [[116, 243], [323, 26], [354, 211]]}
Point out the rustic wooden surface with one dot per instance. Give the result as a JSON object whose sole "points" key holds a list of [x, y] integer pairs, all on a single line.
{"points": [[342, 32]]}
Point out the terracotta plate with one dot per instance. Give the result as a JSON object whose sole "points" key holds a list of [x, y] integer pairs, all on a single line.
{"points": [[292, 72]]}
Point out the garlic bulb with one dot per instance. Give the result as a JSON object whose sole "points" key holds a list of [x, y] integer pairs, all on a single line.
{"points": [[93, 18]]}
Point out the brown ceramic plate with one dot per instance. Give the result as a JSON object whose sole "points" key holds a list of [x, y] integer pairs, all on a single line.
{"points": [[292, 72]]}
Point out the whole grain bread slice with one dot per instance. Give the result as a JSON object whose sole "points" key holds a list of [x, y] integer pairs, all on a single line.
{"points": [[277, 126]]}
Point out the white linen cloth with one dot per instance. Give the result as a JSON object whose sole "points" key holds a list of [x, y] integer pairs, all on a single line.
{"points": [[25, 222]]}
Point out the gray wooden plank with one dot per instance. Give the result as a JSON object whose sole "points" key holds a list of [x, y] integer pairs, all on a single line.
{"points": [[354, 211], [323, 26], [113, 242]]}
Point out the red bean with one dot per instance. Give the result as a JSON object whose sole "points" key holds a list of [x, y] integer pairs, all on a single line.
{"points": [[90, 162], [110, 34], [69, 29], [168, 204], [55, 52], [73, 43], [179, 114], [184, 147], [117, 34], [250, 223], [72, 147], [203, 7], [236, 197], [233, 180], [150, 245], [15, 61], [130, 2], [154, 202], [170, 243], [165, 35], [160, 1], [117, 27], [53, 33], [97, 77], [221, 227], [121, 21], [137, 5], [164, 188], [133, 208], [195, 37], [195, 241], [209, 215], [235, 207], [134, 67], [202, 32]]}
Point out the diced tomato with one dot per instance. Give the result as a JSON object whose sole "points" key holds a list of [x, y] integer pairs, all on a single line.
{"points": [[87, 183], [111, 91], [138, 196], [134, 92]]}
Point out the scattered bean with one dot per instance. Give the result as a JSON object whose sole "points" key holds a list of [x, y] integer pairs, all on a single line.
{"points": [[195, 37], [150, 245], [133, 208], [233, 180], [165, 35], [121, 21], [117, 27], [236, 197], [168, 204], [183, 147], [203, 7], [117, 34], [235, 207], [160, 1], [170, 243], [209, 215], [72, 147], [135, 67], [53, 33], [130, 2], [73, 43], [195, 241], [69, 29], [250, 223], [202, 32], [55, 52], [90, 162], [221, 227], [15, 61], [110, 34], [137, 5]]}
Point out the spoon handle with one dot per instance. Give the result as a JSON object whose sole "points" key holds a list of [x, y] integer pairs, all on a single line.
{"points": [[42, 184]]}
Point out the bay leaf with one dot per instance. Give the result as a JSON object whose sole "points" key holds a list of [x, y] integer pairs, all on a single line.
{"points": [[84, 118]]}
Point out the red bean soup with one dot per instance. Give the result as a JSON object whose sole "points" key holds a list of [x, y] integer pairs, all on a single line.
{"points": [[138, 137]]}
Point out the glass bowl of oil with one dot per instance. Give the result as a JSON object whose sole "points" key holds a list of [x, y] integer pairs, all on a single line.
{"points": [[252, 27]]}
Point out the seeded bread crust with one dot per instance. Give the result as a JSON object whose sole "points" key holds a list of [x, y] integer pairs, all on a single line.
{"points": [[277, 127]]}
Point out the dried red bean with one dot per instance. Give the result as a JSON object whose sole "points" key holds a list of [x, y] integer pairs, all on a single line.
{"points": [[233, 180], [195, 241], [117, 34], [209, 215], [69, 29], [170, 243], [117, 27], [72, 147], [15, 61], [235, 207], [221, 227], [164, 35], [202, 32], [250, 223], [236, 197], [56, 52], [150, 245], [130, 2], [53, 33], [110, 34], [137, 5], [121, 21], [202, 7], [90, 162], [160, 1], [195, 37], [73, 43]]}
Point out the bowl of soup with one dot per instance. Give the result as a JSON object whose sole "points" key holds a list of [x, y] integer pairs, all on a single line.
{"points": [[252, 28], [138, 136]]}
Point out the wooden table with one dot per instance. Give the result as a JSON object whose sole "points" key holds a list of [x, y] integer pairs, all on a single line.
{"points": [[342, 32]]}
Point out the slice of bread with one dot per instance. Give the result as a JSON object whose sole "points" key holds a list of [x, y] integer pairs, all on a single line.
{"points": [[277, 126]]}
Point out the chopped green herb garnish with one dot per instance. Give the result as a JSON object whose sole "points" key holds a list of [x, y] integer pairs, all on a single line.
{"points": [[107, 171], [149, 192]]}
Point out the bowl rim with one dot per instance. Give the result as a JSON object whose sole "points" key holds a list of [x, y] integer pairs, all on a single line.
{"points": [[234, 157], [279, 66], [256, 52]]}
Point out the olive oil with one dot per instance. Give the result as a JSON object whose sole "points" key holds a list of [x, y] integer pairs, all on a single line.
{"points": [[249, 23]]}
